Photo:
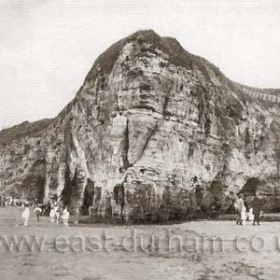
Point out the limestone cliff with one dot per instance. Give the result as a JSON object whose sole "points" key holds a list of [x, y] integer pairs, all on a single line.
{"points": [[154, 134]]}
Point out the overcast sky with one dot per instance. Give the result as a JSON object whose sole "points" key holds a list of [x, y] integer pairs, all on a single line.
{"points": [[48, 46]]}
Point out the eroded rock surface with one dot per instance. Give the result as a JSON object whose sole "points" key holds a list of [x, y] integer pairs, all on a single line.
{"points": [[154, 134]]}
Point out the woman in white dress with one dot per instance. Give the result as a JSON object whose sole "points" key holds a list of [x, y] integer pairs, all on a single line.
{"points": [[65, 216], [52, 215], [25, 215]]}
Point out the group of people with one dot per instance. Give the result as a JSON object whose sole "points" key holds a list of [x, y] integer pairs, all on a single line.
{"points": [[251, 214], [6, 200], [57, 214], [26, 213]]}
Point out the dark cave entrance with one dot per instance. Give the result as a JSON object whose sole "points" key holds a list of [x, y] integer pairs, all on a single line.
{"points": [[251, 186], [34, 183], [119, 195], [67, 191], [249, 191], [88, 197]]}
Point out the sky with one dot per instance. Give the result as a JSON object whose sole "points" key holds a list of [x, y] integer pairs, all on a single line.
{"points": [[48, 46]]}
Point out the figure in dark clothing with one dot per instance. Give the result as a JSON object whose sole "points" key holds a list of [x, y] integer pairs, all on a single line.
{"points": [[216, 207], [38, 211], [257, 208]]}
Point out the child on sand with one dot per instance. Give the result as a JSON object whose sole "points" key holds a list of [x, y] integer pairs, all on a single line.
{"points": [[250, 216], [25, 215], [243, 216]]}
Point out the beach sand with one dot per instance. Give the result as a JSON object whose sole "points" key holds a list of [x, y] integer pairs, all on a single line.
{"points": [[192, 250]]}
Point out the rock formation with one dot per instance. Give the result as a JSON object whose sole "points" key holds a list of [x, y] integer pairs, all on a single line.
{"points": [[154, 134]]}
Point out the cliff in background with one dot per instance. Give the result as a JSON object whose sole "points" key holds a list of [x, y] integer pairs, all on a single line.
{"points": [[154, 134]]}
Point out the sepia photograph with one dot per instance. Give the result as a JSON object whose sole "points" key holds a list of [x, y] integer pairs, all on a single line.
{"points": [[139, 139]]}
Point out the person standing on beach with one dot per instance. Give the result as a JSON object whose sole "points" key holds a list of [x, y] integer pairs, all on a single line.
{"points": [[58, 214], [25, 215], [257, 208], [38, 211], [238, 205], [52, 215], [65, 216]]}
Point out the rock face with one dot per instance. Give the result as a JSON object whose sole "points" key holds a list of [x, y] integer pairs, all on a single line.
{"points": [[154, 134]]}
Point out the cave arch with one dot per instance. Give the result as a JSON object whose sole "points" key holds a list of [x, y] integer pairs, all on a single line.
{"points": [[251, 186]]}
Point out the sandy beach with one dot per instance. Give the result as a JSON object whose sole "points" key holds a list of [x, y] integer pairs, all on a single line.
{"points": [[192, 250]]}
